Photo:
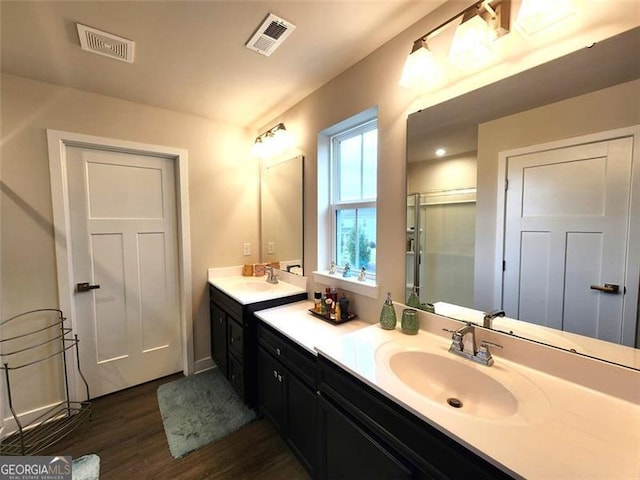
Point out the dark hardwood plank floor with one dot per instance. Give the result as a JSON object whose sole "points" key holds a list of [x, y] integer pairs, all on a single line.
{"points": [[126, 432]]}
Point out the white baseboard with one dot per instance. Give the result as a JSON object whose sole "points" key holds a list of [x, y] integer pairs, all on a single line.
{"points": [[9, 423], [203, 364]]}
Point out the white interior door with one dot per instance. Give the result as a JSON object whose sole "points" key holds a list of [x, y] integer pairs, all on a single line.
{"points": [[566, 230], [124, 239]]}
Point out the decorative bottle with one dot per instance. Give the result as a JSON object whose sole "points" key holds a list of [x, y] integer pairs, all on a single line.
{"points": [[388, 314], [413, 301], [344, 307]]}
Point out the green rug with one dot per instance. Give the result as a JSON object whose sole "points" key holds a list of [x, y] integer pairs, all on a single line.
{"points": [[86, 468], [200, 410]]}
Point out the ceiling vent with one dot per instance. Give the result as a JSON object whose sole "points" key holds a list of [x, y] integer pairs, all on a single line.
{"points": [[106, 44], [270, 35]]}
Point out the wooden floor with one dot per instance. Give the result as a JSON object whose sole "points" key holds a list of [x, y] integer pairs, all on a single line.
{"points": [[126, 432]]}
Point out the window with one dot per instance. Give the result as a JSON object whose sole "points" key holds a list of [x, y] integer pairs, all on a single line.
{"points": [[353, 163]]}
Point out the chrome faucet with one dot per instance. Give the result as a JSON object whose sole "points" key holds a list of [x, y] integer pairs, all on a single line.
{"points": [[271, 276], [480, 355], [487, 320]]}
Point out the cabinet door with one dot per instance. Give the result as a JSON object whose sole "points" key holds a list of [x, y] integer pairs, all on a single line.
{"points": [[270, 388], [219, 338], [301, 425], [236, 338], [236, 375], [348, 452]]}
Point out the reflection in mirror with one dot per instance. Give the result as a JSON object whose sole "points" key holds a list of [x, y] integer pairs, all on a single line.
{"points": [[281, 212], [440, 245], [523, 128]]}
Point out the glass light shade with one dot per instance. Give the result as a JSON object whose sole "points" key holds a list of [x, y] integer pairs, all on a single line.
{"points": [[472, 44], [274, 142], [537, 15], [421, 70], [282, 140], [258, 149]]}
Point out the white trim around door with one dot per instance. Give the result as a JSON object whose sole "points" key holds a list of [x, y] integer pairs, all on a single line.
{"points": [[57, 144]]}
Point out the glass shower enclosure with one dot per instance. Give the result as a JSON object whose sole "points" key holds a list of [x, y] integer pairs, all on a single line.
{"points": [[440, 246]]}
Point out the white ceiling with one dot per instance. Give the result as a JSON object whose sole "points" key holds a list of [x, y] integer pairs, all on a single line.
{"points": [[190, 55]]}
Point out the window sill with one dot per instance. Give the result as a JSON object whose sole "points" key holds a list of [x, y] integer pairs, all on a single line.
{"points": [[368, 288]]}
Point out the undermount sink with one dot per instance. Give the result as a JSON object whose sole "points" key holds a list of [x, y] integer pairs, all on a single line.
{"points": [[448, 381], [457, 385]]}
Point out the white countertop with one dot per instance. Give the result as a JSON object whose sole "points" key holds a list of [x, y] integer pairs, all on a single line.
{"points": [[562, 430], [295, 321], [246, 290]]}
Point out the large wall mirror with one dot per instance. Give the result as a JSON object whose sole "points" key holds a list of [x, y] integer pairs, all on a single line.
{"points": [[558, 246], [281, 213]]}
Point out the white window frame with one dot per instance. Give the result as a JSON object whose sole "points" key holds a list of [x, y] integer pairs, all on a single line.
{"points": [[337, 205], [325, 219]]}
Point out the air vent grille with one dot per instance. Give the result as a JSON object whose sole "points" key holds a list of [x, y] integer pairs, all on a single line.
{"points": [[270, 35], [275, 29], [107, 44]]}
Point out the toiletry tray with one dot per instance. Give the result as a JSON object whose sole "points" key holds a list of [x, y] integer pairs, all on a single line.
{"points": [[337, 321]]}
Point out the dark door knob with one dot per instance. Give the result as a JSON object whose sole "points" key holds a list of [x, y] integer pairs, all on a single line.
{"points": [[606, 288], [85, 287]]}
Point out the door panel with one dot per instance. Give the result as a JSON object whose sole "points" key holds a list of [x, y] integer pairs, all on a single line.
{"points": [[567, 215], [124, 238], [109, 316]]}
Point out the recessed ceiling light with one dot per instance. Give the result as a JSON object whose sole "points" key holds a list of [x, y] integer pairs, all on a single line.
{"points": [[441, 152]]}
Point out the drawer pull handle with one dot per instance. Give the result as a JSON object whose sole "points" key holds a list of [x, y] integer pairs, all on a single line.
{"points": [[277, 351]]}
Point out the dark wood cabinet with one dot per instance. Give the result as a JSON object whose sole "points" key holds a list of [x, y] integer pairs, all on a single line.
{"points": [[270, 389], [348, 451], [407, 446], [287, 393], [219, 337], [233, 339]]}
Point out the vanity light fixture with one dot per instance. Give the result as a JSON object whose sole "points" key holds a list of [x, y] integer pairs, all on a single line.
{"points": [[421, 68], [273, 142], [472, 44], [441, 152], [537, 15], [480, 25]]}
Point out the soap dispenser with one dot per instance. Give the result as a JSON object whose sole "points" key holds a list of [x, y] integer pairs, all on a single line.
{"points": [[388, 314], [413, 301]]}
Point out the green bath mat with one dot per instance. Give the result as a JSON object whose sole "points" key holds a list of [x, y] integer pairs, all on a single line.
{"points": [[200, 410]]}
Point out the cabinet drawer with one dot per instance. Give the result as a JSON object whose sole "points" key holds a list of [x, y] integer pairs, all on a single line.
{"points": [[236, 338], [236, 375], [231, 306], [294, 357]]}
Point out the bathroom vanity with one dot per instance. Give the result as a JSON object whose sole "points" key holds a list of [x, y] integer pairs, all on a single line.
{"points": [[232, 301], [382, 406]]}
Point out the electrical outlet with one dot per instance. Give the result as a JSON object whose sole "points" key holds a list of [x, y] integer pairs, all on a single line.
{"points": [[246, 249], [271, 248]]}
